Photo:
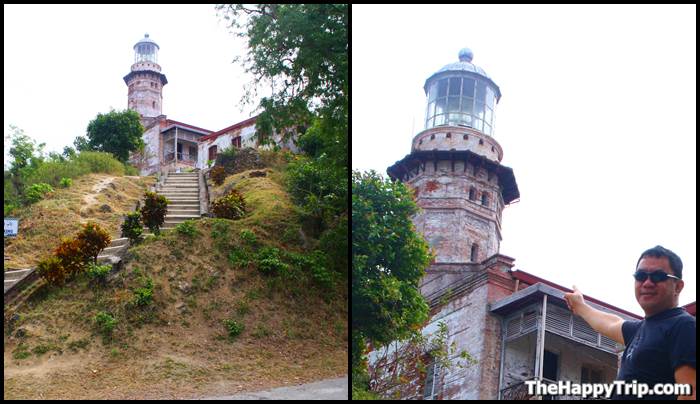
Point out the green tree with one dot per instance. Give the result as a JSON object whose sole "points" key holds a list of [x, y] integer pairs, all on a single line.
{"points": [[26, 157], [301, 51], [117, 132], [388, 261]]}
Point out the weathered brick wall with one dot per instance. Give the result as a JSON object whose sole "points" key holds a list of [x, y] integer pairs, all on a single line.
{"points": [[450, 220]]}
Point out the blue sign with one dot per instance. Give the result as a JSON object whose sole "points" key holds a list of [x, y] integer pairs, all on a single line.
{"points": [[11, 226]]}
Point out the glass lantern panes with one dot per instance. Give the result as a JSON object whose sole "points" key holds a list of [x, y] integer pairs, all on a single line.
{"points": [[478, 109], [442, 88], [455, 85], [464, 101], [453, 104], [480, 91], [467, 87]]}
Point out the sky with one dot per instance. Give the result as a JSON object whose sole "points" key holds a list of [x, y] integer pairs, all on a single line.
{"points": [[64, 64], [597, 120]]}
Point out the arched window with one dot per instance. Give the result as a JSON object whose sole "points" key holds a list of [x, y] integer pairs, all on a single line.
{"points": [[154, 104], [475, 252], [472, 194], [485, 199], [212, 153]]}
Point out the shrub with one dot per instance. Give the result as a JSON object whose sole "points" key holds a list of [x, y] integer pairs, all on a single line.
{"points": [[36, 192], [153, 212], [66, 182], [231, 206], [218, 175], [99, 272], [234, 328], [248, 236], [132, 227], [105, 323], [187, 228], [71, 253], [51, 270], [269, 261], [130, 170], [238, 258], [94, 239], [226, 159], [51, 172], [144, 296]]}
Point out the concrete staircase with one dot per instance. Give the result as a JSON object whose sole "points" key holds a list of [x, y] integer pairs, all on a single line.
{"points": [[182, 191]]}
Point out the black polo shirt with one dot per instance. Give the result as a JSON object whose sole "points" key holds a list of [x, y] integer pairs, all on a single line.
{"points": [[655, 347]]}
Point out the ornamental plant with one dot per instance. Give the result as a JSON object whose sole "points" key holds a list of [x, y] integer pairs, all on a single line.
{"points": [[94, 239], [153, 212], [71, 253], [231, 206], [51, 270], [132, 227], [218, 175]]}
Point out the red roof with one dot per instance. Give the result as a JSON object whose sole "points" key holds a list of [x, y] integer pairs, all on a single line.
{"points": [[169, 122], [532, 279], [247, 122]]}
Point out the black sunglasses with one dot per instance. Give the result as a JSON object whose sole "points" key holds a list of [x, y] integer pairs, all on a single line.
{"points": [[656, 276]]}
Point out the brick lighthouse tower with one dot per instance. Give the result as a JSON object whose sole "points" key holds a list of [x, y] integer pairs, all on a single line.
{"points": [[145, 81], [461, 187]]}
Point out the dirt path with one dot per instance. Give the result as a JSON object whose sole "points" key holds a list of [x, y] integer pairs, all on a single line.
{"points": [[91, 199]]}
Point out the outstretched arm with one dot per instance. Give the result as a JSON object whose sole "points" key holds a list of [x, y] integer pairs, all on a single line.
{"points": [[607, 324]]}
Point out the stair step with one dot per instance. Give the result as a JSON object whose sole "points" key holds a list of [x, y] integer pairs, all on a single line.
{"points": [[114, 248], [119, 241], [183, 206]]}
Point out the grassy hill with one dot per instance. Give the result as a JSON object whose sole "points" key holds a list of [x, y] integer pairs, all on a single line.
{"points": [[215, 323], [103, 198]]}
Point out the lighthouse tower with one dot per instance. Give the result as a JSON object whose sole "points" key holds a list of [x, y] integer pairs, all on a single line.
{"points": [[454, 169], [145, 81]]}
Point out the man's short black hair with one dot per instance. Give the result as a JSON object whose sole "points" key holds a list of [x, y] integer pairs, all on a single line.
{"points": [[673, 258]]}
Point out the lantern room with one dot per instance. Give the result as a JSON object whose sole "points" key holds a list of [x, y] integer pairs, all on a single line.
{"points": [[462, 94]]}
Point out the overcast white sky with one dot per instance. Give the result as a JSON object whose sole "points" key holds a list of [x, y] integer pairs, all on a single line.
{"points": [[64, 64], [597, 120]]}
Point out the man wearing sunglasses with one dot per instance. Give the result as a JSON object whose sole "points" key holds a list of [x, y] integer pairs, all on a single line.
{"points": [[660, 348]]}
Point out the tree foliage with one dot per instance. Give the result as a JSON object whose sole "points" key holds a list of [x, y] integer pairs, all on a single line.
{"points": [[117, 132], [388, 261], [301, 52]]}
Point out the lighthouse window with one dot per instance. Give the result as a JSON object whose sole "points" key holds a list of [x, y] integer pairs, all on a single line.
{"points": [[468, 87], [472, 194], [475, 252], [480, 91], [487, 129], [440, 106], [485, 199], [489, 97], [453, 104], [455, 85], [479, 109], [467, 105], [442, 88]]}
